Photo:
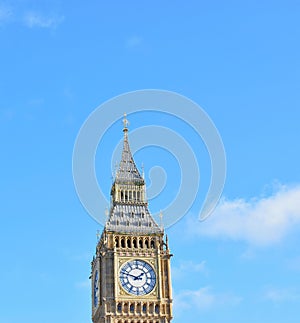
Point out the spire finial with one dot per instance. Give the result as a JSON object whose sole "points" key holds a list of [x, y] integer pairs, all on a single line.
{"points": [[161, 219], [143, 171], [125, 123]]}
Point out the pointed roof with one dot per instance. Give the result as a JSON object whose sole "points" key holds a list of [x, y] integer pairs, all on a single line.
{"points": [[130, 216], [128, 172], [131, 219]]}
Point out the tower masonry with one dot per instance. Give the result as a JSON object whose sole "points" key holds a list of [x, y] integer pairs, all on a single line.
{"points": [[131, 275]]}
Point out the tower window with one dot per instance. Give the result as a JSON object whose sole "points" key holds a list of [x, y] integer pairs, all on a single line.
{"points": [[151, 308], [128, 243], [152, 244], [144, 308], [156, 309], [147, 243], [140, 243], [131, 308], [119, 307], [117, 242], [122, 243], [134, 243]]}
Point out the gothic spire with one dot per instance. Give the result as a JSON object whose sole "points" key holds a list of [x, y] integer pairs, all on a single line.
{"points": [[129, 210], [128, 172]]}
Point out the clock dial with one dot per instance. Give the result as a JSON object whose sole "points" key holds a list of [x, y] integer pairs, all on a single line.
{"points": [[96, 288], [137, 277]]}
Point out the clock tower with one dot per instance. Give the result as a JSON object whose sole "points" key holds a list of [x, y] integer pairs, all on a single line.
{"points": [[131, 278]]}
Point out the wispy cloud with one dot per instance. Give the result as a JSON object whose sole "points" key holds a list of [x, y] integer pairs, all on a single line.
{"points": [[185, 268], [278, 295], [34, 19], [259, 221], [5, 13], [203, 299]]}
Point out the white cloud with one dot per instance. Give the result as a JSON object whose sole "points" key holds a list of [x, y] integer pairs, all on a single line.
{"points": [[277, 295], [260, 221], [185, 268], [35, 19], [202, 299]]}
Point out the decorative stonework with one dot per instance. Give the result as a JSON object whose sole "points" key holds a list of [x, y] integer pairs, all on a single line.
{"points": [[131, 236]]}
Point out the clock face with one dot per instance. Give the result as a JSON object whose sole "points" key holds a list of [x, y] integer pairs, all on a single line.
{"points": [[137, 277], [96, 288]]}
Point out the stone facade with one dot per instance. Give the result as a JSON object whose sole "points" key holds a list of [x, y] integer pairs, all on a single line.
{"points": [[131, 276]]}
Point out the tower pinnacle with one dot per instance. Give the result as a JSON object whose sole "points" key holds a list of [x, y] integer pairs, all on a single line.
{"points": [[125, 123], [129, 209]]}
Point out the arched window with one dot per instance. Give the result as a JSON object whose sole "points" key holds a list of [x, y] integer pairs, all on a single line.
{"points": [[128, 243], [151, 308], [157, 309], [134, 243], [152, 244], [119, 307], [117, 242], [144, 308], [147, 243], [141, 243], [122, 243], [131, 308]]}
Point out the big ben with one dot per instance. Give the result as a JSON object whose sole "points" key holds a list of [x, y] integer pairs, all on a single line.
{"points": [[131, 275]]}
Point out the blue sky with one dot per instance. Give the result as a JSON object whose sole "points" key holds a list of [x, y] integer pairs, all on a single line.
{"points": [[240, 62]]}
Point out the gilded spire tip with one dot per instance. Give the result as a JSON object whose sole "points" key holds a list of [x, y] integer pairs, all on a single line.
{"points": [[125, 123]]}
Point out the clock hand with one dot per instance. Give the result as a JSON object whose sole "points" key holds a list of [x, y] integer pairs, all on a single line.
{"points": [[139, 277], [134, 277]]}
